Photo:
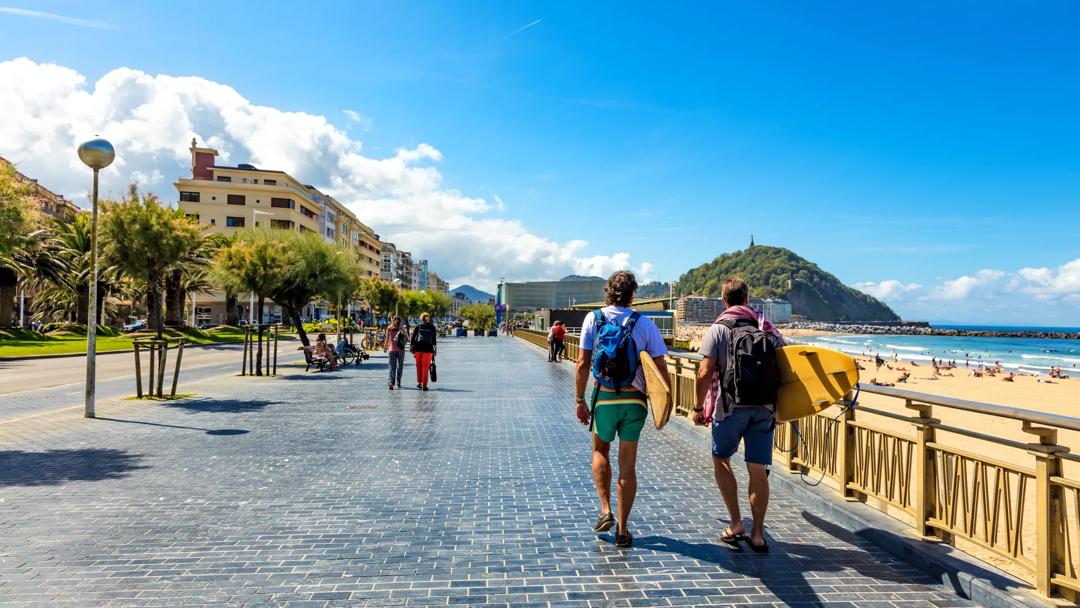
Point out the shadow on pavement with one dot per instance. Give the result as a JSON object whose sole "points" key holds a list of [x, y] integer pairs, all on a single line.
{"points": [[18, 468], [219, 406], [223, 432], [783, 570]]}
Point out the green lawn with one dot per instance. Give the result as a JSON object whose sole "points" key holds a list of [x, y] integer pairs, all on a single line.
{"points": [[21, 343]]}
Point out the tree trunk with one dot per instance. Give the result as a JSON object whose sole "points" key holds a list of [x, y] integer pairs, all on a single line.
{"points": [[294, 317], [231, 316], [100, 303], [174, 300], [153, 303], [82, 304], [259, 325], [7, 305]]}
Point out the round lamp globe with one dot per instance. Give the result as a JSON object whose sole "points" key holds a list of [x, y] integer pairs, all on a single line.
{"points": [[97, 154]]}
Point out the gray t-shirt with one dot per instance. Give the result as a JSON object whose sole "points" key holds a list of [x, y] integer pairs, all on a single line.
{"points": [[715, 346]]}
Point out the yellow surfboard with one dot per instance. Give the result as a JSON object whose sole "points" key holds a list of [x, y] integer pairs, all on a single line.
{"points": [[811, 379], [658, 391]]}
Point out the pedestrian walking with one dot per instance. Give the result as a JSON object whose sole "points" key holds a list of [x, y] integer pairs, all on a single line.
{"points": [[736, 393], [397, 337], [423, 349], [611, 340], [558, 337]]}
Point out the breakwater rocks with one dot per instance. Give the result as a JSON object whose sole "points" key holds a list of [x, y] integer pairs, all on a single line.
{"points": [[922, 329]]}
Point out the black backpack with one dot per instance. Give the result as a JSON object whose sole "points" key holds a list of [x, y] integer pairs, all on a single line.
{"points": [[751, 376], [425, 336]]}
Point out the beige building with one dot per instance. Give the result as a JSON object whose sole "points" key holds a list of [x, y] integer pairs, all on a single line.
{"points": [[224, 199]]}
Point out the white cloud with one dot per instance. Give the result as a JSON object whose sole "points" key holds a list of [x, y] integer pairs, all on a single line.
{"points": [[50, 109], [365, 123], [989, 295], [22, 12], [889, 290]]}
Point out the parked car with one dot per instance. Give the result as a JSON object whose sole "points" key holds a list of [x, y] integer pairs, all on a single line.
{"points": [[136, 326]]}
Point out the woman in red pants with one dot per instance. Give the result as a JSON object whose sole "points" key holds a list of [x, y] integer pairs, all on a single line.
{"points": [[423, 349]]}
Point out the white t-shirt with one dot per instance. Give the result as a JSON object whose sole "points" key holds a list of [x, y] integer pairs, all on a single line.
{"points": [[646, 334]]}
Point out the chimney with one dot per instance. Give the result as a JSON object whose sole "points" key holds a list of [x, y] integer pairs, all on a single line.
{"points": [[202, 161]]}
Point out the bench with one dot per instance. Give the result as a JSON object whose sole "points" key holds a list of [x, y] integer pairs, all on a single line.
{"points": [[311, 360]]}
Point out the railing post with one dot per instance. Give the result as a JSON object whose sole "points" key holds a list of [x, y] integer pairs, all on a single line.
{"points": [[791, 445], [845, 453], [1049, 508], [924, 484]]}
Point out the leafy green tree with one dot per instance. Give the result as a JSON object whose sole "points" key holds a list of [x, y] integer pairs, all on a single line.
{"points": [[439, 305], [221, 241], [315, 268], [145, 240], [256, 262], [479, 316], [18, 217], [380, 295]]}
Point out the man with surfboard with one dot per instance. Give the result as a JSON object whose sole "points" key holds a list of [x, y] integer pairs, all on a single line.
{"points": [[737, 384], [612, 339]]}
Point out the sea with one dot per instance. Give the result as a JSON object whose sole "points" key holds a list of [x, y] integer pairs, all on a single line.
{"points": [[1023, 355]]}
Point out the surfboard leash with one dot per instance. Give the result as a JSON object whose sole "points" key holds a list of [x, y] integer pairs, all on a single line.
{"points": [[828, 431]]}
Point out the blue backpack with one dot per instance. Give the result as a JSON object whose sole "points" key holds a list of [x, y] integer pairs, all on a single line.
{"points": [[615, 357]]}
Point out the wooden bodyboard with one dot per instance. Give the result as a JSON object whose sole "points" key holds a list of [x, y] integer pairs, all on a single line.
{"points": [[812, 378], [657, 390]]}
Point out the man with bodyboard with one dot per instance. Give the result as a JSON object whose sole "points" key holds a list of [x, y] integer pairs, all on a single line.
{"points": [[611, 340], [737, 384]]}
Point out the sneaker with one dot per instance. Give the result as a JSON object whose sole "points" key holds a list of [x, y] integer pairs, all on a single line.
{"points": [[419, 386], [425, 388], [390, 386], [604, 524]]}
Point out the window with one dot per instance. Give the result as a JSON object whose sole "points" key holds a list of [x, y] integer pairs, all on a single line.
{"points": [[281, 203], [308, 212], [329, 233], [269, 182], [281, 224], [234, 222], [237, 199], [224, 178], [243, 179], [189, 197], [302, 229], [213, 221], [193, 216]]}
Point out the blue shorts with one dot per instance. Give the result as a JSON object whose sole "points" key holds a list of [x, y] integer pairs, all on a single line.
{"points": [[754, 425]]}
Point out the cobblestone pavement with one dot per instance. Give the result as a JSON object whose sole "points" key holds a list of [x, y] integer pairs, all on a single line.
{"points": [[328, 490]]}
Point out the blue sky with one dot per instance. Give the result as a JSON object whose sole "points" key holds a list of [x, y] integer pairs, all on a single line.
{"points": [[886, 142]]}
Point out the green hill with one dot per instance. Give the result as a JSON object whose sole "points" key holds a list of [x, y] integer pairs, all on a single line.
{"points": [[775, 272]]}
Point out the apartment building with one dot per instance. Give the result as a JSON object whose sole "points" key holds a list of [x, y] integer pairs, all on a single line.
{"points": [[436, 283], [224, 199]]}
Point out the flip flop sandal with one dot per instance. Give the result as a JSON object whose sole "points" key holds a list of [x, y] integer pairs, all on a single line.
{"points": [[762, 548], [734, 539]]}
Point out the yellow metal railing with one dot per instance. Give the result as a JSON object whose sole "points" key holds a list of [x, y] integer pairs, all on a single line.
{"points": [[1025, 511]]}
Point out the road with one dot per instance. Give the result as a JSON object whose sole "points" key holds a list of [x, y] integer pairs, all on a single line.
{"points": [[30, 387]]}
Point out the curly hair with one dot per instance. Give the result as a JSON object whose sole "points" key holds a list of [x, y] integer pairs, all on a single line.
{"points": [[620, 289]]}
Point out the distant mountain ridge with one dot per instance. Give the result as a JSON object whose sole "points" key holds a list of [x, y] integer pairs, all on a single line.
{"points": [[472, 294], [776, 272]]}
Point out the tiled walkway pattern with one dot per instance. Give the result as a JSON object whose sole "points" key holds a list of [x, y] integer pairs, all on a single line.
{"points": [[328, 490]]}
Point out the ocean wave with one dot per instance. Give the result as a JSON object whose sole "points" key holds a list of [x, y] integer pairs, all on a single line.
{"points": [[918, 349], [1052, 358], [838, 341]]}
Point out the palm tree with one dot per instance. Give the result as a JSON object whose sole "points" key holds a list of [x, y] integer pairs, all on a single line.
{"points": [[147, 240], [189, 272]]}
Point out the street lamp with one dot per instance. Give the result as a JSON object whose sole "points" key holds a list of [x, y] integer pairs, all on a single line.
{"points": [[96, 154]]}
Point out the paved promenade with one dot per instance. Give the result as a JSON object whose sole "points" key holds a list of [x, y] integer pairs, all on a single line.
{"points": [[328, 490]]}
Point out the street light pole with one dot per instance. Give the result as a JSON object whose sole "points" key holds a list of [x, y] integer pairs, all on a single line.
{"points": [[96, 154]]}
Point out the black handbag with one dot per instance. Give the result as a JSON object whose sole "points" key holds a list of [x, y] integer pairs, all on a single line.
{"points": [[432, 372]]}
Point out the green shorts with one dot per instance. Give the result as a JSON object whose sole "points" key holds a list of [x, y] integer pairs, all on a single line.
{"points": [[624, 414]]}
